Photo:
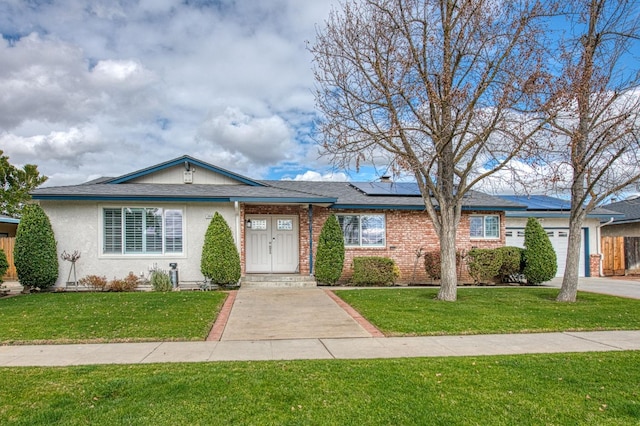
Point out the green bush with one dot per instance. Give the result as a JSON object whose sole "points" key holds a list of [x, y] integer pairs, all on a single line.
{"points": [[540, 262], [330, 252], [220, 260], [511, 261], [370, 271], [484, 264], [4, 265], [160, 281], [35, 253]]}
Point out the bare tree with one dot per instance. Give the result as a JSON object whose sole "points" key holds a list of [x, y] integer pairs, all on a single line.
{"points": [[445, 88], [594, 114]]}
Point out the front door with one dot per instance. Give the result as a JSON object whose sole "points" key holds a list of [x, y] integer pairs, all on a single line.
{"points": [[271, 244]]}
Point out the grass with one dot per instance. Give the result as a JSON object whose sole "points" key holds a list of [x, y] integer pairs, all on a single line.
{"points": [[490, 310], [576, 389], [108, 317]]}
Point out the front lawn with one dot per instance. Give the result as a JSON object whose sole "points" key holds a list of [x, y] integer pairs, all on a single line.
{"points": [[108, 317], [558, 389], [490, 310]]}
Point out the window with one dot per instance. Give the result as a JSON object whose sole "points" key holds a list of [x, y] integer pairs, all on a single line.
{"points": [[363, 230], [134, 230], [485, 226]]}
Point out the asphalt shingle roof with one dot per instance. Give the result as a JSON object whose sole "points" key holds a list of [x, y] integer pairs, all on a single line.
{"points": [[629, 208]]}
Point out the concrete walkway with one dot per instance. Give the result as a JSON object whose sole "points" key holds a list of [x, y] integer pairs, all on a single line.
{"points": [[290, 349]]}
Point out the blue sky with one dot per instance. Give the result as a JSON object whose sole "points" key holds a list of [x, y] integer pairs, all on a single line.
{"points": [[106, 87], [95, 88]]}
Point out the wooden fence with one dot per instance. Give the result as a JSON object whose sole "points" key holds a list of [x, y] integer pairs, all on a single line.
{"points": [[6, 244]]}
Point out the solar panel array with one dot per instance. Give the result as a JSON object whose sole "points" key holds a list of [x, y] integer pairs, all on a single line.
{"points": [[404, 189]]}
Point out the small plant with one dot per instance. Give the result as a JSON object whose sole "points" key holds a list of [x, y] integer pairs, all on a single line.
{"points": [[35, 253], [160, 280], [371, 271], [220, 260], [128, 283], [94, 282], [4, 265], [541, 263], [330, 253]]}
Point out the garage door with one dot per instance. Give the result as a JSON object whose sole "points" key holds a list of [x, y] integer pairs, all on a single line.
{"points": [[559, 238]]}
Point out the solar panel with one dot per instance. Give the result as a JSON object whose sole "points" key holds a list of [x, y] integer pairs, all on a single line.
{"points": [[406, 189]]}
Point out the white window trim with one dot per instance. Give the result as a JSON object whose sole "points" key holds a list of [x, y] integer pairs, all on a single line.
{"points": [[484, 227], [123, 254], [360, 245]]}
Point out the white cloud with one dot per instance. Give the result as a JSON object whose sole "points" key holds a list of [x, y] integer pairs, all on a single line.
{"points": [[314, 176]]}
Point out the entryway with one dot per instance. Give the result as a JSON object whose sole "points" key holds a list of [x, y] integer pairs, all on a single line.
{"points": [[271, 244]]}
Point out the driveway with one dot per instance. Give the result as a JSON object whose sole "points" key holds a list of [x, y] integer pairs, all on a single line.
{"points": [[623, 287], [288, 313]]}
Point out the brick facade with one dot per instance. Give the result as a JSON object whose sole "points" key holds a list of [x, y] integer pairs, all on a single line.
{"points": [[407, 232]]}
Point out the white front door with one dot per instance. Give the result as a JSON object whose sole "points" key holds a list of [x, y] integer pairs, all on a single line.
{"points": [[271, 244]]}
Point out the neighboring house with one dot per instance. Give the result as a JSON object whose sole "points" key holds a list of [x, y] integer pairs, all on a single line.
{"points": [[621, 238], [553, 214], [8, 226], [159, 215]]}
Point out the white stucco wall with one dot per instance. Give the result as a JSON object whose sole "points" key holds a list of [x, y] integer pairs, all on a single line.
{"points": [[78, 226], [175, 175]]}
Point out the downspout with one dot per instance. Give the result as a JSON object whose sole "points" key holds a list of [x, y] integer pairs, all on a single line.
{"points": [[310, 218], [236, 206], [598, 242]]}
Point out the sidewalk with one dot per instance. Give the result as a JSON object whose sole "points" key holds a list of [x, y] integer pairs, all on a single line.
{"points": [[293, 349]]}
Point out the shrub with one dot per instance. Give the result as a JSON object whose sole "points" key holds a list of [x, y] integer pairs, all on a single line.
{"points": [[374, 271], [540, 259], [511, 261], [34, 253], [94, 282], [330, 252], [128, 283], [433, 263], [220, 260], [4, 265], [160, 281], [484, 264]]}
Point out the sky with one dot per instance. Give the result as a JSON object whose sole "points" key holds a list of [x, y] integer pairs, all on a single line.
{"points": [[104, 87]]}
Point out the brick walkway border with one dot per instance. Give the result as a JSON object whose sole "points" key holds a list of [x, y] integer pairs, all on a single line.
{"points": [[221, 322], [370, 328]]}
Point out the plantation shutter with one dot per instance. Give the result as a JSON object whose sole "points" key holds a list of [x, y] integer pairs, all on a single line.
{"points": [[153, 231], [133, 228], [112, 242], [173, 231]]}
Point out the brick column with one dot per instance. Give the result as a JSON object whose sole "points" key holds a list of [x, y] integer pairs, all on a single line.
{"points": [[594, 264]]}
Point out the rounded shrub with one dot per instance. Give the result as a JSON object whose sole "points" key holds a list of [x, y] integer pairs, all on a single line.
{"points": [[511, 261], [374, 271], [540, 261], [4, 265], [220, 260], [330, 252], [34, 253], [484, 264]]}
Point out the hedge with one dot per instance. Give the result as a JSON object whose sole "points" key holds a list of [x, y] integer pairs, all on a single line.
{"points": [[372, 271]]}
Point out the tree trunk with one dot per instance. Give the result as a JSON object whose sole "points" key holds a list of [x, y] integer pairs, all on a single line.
{"points": [[569, 289], [449, 277]]}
